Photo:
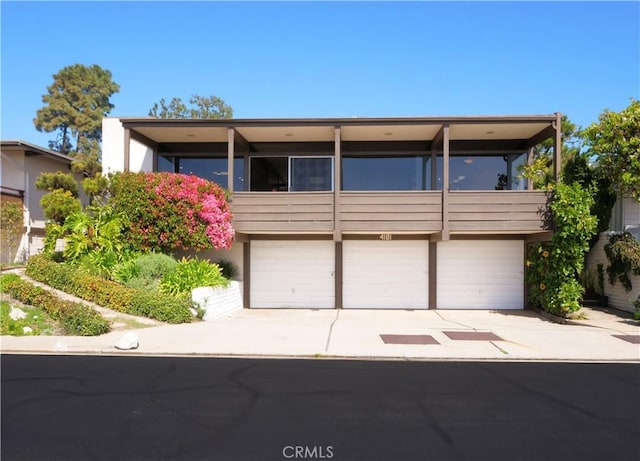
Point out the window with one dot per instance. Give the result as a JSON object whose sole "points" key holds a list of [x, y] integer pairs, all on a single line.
{"points": [[283, 174], [399, 172], [486, 172], [211, 168], [311, 174]]}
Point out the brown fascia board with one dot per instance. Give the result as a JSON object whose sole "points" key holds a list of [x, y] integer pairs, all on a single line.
{"points": [[350, 121], [28, 147]]}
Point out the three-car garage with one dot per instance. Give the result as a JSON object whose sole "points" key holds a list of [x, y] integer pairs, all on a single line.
{"points": [[368, 273]]}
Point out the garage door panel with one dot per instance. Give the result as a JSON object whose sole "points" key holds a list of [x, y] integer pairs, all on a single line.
{"points": [[385, 274], [292, 274], [481, 274]]}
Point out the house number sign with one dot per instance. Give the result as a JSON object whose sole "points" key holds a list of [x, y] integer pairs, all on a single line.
{"points": [[385, 236]]}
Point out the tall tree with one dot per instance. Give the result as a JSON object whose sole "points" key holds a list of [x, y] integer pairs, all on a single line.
{"points": [[201, 107], [615, 140], [540, 171], [75, 104]]}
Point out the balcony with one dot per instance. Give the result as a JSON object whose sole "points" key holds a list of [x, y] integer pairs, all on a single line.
{"points": [[418, 212]]}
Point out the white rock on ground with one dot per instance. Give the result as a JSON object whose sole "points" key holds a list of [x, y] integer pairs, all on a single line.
{"points": [[17, 314], [27, 330], [129, 340]]}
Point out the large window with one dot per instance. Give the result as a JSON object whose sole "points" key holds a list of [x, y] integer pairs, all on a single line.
{"points": [[486, 172], [399, 172], [211, 168], [282, 174]]}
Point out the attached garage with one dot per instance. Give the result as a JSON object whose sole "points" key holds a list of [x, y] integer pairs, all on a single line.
{"points": [[292, 274], [381, 274], [480, 274]]}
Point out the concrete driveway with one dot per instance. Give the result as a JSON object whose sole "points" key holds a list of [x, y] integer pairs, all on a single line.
{"points": [[385, 334]]}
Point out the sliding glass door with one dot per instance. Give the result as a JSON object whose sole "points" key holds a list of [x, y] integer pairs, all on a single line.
{"points": [[291, 174]]}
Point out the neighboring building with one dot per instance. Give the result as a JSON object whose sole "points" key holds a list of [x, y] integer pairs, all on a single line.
{"points": [[409, 213], [625, 217], [21, 163]]}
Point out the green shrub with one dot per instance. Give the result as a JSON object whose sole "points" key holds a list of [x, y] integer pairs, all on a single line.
{"points": [[553, 267], [145, 271], [57, 181], [190, 274], [105, 293], [75, 318], [155, 265], [623, 253], [161, 307], [229, 269], [11, 225], [58, 204]]}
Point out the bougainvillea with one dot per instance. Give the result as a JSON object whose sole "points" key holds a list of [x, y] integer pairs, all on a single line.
{"points": [[169, 211]]}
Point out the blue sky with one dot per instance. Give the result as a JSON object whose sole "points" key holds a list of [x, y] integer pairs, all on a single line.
{"points": [[329, 59]]}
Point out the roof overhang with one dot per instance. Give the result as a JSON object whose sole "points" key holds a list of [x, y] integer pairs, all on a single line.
{"points": [[462, 128], [32, 149]]}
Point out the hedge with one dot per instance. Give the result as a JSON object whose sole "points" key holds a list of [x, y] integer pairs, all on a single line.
{"points": [[108, 293], [75, 318]]}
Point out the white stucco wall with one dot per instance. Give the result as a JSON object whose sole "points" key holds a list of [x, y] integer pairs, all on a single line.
{"points": [[12, 169], [618, 296], [140, 156], [112, 145]]}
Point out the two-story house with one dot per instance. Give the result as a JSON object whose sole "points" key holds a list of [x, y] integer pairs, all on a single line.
{"points": [[21, 163], [409, 213]]}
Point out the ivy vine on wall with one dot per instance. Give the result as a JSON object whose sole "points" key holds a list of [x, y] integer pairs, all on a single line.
{"points": [[623, 253]]}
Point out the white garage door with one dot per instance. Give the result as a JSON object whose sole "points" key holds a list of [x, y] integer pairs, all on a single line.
{"points": [[480, 274], [292, 274], [385, 274]]}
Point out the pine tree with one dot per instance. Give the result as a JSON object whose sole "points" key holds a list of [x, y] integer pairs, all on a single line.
{"points": [[75, 104]]}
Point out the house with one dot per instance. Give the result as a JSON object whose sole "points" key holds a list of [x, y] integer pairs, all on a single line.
{"points": [[625, 216], [409, 213], [21, 163]]}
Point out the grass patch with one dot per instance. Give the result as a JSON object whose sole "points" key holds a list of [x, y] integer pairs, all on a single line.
{"points": [[37, 320]]}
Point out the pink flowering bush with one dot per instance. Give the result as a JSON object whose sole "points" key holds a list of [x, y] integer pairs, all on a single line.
{"points": [[170, 210]]}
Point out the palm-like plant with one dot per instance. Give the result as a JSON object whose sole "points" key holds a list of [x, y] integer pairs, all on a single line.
{"points": [[95, 237]]}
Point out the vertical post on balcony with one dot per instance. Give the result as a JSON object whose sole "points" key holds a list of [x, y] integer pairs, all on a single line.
{"points": [[557, 147], [230, 157], [445, 183], [337, 174], [530, 159]]}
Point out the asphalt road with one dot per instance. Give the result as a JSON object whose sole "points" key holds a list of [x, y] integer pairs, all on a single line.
{"points": [[139, 408]]}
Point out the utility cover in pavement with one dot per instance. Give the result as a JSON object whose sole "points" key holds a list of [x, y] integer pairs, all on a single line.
{"points": [[408, 339], [633, 339], [472, 336]]}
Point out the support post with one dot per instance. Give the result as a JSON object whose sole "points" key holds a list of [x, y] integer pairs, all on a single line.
{"points": [[433, 275], [230, 158], [557, 147], [337, 274], [337, 176], [445, 183], [246, 274]]}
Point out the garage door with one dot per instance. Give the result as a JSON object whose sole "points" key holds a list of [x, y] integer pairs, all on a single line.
{"points": [[385, 274], [292, 274], [480, 274]]}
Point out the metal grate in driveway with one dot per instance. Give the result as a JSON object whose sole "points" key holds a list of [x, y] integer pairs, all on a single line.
{"points": [[633, 339], [408, 339], [472, 336]]}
